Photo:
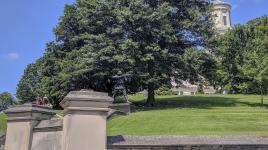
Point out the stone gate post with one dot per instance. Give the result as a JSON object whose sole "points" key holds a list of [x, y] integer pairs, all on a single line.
{"points": [[84, 122], [20, 123]]}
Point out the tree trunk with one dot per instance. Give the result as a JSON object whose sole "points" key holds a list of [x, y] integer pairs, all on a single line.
{"points": [[151, 85], [151, 96], [261, 95]]}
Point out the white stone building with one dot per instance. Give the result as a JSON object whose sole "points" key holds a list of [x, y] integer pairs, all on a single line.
{"points": [[222, 15]]}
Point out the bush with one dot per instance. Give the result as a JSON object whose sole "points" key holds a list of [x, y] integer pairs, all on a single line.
{"points": [[164, 91], [200, 89], [119, 99]]}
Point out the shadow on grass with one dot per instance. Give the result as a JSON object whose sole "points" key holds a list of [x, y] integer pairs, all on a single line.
{"points": [[199, 102]]}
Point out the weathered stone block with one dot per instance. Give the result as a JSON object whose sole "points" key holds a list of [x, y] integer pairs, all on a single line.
{"points": [[84, 122], [20, 124]]}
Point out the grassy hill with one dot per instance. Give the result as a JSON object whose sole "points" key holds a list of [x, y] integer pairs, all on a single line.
{"points": [[191, 115], [195, 115]]}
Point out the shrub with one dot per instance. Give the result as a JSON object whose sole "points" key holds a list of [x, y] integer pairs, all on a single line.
{"points": [[164, 91], [119, 99], [200, 89]]}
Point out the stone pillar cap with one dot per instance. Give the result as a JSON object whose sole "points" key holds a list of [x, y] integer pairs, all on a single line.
{"points": [[29, 111], [86, 98], [29, 107]]}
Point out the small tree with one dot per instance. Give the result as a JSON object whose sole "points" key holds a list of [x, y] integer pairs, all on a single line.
{"points": [[259, 75], [256, 54], [262, 78], [6, 99]]}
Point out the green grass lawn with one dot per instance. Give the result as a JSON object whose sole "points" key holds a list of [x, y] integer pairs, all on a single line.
{"points": [[3, 124], [195, 115], [191, 115]]}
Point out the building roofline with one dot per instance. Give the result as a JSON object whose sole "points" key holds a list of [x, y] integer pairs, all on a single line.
{"points": [[220, 2]]}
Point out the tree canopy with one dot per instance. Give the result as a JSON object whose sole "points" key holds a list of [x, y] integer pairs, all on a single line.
{"points": [[94, 39], [242, 54]]}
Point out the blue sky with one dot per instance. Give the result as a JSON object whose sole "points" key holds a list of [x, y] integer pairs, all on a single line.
{"points": [[26, 26]]}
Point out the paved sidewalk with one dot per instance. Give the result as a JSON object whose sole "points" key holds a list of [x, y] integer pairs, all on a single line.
{"points": [[187, 140]]}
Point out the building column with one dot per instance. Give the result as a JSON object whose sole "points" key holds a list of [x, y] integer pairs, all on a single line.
{"points": [[20, 123], [84, 122]]}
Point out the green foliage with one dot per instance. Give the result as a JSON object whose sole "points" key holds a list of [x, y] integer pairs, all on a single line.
{"points": [[242, 55], [6, 100], [159, 35], [164, 90], [96, 38], [200, 88], [201, 67], [120, 99], [30, 86], [26, 86], [3, 123]]}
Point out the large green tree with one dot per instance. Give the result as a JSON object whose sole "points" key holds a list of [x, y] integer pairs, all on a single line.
{"points": [[158, 34], [229, 51], [242, 55], [94, 39], [255, 66]]}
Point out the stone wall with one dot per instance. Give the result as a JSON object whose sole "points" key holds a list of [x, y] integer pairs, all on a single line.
{"points": [[189, 147], [50, 141], [83, 126], [187, 143]]}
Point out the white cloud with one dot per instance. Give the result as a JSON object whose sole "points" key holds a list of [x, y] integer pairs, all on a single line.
{"points": [[13, 56]]}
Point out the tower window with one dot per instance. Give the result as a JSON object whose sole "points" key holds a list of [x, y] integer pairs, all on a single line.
{"points": [[225, 20]]}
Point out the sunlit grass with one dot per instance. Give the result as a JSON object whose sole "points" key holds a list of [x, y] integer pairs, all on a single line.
{"points": [[190, 115], [3, 125], [195, 115]]}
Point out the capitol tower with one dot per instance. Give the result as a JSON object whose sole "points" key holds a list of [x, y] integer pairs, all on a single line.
{"points": [[221, 16]]}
